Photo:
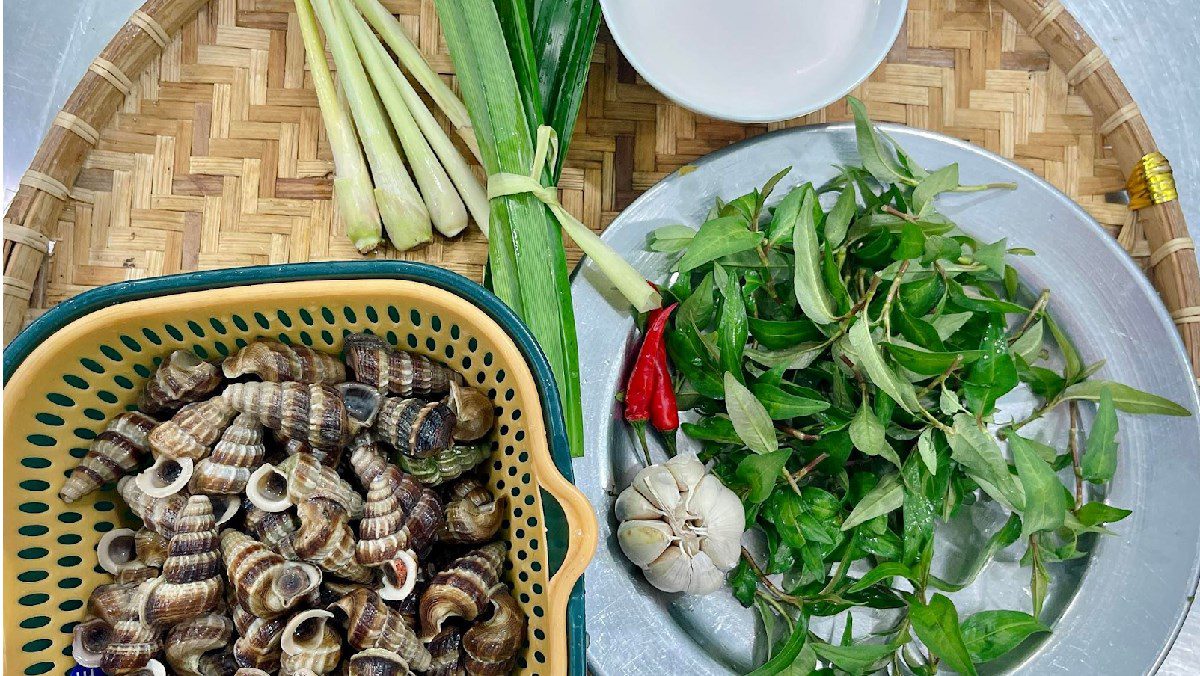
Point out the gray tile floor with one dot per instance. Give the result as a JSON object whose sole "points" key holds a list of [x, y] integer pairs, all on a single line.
{"points": [[1154, 45]]}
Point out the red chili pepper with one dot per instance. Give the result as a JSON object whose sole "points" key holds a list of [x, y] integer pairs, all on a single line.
{"points": [[644, 379], [664, 412]]}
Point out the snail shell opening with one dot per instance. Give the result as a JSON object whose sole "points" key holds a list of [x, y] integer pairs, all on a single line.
{"points": [[152, 668], [267, 489], [225, 507], [362, 404], [167, 476], [89, 639], [296, 579], [116, 550], [399, 577], [304, 631]]}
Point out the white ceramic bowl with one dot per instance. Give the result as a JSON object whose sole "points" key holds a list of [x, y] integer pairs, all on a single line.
{"points": [[754, 60]]}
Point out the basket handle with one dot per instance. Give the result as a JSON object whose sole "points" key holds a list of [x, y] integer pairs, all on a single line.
{"points": [[582, 536]]}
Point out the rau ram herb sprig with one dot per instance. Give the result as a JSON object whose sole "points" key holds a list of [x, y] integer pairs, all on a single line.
{"points": [[845, 369]]}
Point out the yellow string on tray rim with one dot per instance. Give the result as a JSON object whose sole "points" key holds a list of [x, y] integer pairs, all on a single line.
{"points": [[1151, 182]]}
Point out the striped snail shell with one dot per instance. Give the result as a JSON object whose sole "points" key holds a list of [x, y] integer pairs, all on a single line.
{"points": [[391, 497], [193, 430], [366, 459], [133, 643], [463, 589], [266, 584], [239, 451], [315, 414], [371, 623], [181, 378], [374, 362], [490, 646], [445, 465], [115, 452], [473, 514], [192, 644], [310, 643], [273, 528], [158, 514], [377, 662], [257, 645], [416, 427], [151, 547], [88, 641], [307, 478], [325, 539], [474, 412], [446, 650], [275, 361], [190, 583]]}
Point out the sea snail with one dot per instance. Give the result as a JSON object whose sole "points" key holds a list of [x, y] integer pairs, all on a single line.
{"points": [[681, 526]]}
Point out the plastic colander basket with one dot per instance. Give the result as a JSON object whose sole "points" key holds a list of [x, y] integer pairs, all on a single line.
{"points": [[85, 361]]}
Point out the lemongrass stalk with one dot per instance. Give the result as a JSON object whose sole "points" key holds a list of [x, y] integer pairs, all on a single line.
{"points": [[404, 214], [410, 56], [445, 206], [354, 194], [469, 186]]}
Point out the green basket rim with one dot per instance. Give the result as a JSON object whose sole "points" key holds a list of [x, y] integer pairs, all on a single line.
{"points": [[123, 292]]}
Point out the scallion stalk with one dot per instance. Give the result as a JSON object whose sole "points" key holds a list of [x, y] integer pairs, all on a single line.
{"points": [[404, 214], [352, 181], [445, 207], [393, 34]]}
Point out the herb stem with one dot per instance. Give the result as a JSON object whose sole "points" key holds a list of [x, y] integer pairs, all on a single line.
{"points": [[795, 433], [1034, 313], [812, 464], [863, 301], [889, 209], [1043, 410], [1073, 444], [766, 582], [1004, 185], [886, 313], [839, 573], [944, 376], [790, 480]]}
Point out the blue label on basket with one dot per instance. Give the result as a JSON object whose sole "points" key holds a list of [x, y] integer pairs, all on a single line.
{"points": [[84, 671]]}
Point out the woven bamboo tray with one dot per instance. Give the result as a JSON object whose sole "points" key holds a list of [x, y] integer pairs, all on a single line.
{"points": [[194, 141]]}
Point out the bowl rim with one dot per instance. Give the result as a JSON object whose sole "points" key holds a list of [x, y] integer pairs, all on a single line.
{"points": [[782, 113], [109, 295]]}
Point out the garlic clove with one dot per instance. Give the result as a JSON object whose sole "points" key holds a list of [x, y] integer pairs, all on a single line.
{"points": [[634, 505], [658, 486], [644, 541], [675, 571], [724, 520], [687, 470]]}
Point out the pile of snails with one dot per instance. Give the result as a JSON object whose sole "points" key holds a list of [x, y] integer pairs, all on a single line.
{"points": [[277, 537]]}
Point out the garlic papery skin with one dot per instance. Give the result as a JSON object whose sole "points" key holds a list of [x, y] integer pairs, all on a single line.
{"points": [[681, 526]]}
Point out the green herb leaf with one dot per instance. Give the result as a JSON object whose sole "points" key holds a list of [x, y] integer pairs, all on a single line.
{"points": [[868, 435], [887, 495], [797, 357], [712, 428], [1029, 345], [838, 220], [749, 418], [732, 329], [1100, 459], [781, 334], [1045, 502], [926, 450], [977, 451], [1125, 398], [1039, 579], [936, 183], [948, 402], [876, 158], [884, 571], [867, 356], [1096, 513], [787, 654], [936, 625], [783, 220], [855, 659], [929, 363], [760, 472], [948, 324], [993, 375], [992, 256], [744, 583], [810, 289], [671, 238], [698, 308], [716, 238], [783, 405], [992, 633], [1073, 364]]}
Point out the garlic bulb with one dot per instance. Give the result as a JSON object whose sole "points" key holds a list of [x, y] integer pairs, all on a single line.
{"points": [[681, 526]]}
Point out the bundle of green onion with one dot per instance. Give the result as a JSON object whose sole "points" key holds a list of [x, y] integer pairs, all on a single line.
{"points": [[388, 121]]}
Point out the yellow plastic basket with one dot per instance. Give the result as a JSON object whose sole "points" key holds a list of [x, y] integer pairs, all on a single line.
{"points": [[86, 360]]}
